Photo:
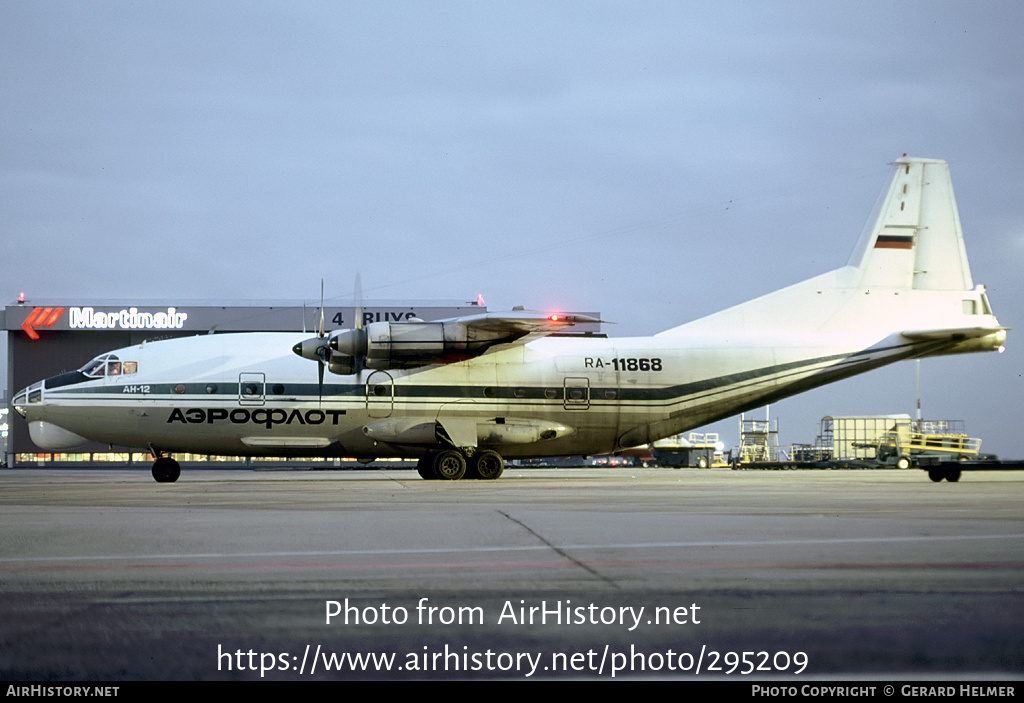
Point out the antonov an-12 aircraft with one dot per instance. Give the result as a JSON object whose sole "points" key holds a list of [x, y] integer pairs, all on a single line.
{"points": [[465, 393]]}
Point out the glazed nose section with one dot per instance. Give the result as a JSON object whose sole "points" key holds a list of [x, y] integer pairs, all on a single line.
{"points": [[45, 435], [26, 397]]}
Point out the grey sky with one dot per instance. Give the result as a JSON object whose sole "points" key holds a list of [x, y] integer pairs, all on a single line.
{"points": [[656, 161]]}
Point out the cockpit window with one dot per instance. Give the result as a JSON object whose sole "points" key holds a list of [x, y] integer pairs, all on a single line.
{"points": [[97, 368], [109, 365]]}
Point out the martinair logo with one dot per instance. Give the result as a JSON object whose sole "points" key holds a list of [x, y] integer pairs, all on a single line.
{"points": [[40, 317]]}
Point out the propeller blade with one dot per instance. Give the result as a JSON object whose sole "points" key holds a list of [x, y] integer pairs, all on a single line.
{"points": [[320, 333], [320, 382], [357, 296]]}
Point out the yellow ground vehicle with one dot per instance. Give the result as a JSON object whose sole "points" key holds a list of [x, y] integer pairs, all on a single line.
{"points": [[931, 442]]}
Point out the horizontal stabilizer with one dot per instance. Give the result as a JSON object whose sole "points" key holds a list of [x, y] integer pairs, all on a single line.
{"points": [[960, 341], [957, 335]]}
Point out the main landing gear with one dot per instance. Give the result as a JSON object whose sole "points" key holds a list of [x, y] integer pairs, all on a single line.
{"points": [[165, 469], [451, 465], [951, 475]]}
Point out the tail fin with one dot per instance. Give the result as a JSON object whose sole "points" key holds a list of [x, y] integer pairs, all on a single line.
{"points": [[913, 239], [908, 276]]}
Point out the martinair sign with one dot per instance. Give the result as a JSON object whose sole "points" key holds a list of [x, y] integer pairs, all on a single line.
{"points": [[126, 319], [88, 318]]}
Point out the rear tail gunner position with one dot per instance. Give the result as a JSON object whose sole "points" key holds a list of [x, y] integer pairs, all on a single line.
{"points": [[465, 393]]}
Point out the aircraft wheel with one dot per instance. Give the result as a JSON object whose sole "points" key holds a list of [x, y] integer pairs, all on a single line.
{"points": [[935, 475], [903, 462], [166, 470], [425, 467], [953, 475], [449, 465], [488, 465]]}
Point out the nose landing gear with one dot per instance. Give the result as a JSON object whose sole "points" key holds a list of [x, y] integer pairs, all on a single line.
{"points": [[165, 469]]}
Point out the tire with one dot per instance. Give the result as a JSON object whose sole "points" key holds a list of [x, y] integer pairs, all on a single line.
{"points": [[953, 475], [487, 465], [903, 462], [425, 467], [166, 470], [449, 465], [702, 462], [935, 475]]}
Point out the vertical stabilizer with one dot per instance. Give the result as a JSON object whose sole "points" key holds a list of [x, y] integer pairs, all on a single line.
{"points": [[913, 239]]}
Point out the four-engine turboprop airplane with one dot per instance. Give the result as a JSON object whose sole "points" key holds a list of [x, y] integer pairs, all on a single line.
{"points": [[463, 393]]}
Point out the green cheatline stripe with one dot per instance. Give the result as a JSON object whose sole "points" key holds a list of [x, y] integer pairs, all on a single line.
{"points": [[308, 391]]}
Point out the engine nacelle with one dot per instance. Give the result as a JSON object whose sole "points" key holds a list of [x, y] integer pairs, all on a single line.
{"points": [[386, 345], [412, 341]]}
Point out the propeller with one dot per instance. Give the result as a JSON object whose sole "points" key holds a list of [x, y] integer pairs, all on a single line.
{"points": [[329, 351], [353, 342], [317, 347]]}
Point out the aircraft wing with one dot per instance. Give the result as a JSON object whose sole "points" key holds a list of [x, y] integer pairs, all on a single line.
{"points": [[520, 326]]}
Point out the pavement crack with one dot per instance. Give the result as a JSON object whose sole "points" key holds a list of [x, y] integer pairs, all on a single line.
{"points": [[558, 550]]}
